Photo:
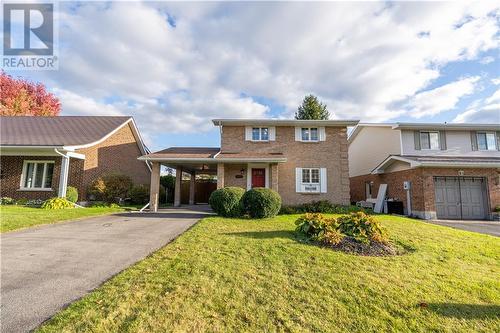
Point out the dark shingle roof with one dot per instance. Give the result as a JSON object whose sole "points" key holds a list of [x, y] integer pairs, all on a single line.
{"points": [[185, 152], [56, 131]]}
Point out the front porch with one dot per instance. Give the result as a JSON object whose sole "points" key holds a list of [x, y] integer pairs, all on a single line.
{"points": [[192, 163]]}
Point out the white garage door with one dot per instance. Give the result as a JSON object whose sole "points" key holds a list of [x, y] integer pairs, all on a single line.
{"points": [[460, 198]]}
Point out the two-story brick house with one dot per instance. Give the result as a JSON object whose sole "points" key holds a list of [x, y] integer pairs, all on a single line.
{"points": [[451, 171], [303, 160]]}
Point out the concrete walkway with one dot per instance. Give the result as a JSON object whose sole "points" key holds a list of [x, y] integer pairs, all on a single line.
{"points": [[483, 227], [43, 269]]}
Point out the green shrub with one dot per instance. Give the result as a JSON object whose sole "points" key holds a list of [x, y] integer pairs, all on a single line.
{"points": [[322, 206], [22, 202], [111, 188], [57, 203], [227, 201], [7, 201], [261, 203], [362, 228], [102, 204], [497, 208], [71, 194], [358, 226], [139, 194], [313, 225]]}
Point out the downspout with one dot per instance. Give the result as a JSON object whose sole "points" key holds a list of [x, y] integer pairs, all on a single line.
{"points": [[63, 177]]}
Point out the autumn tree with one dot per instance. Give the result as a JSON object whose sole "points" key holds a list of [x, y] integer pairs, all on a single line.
{"points": [[312, 109], [20, 97]]}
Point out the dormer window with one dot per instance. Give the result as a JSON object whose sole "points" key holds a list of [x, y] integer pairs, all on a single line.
{"points": [[309, 134], [486, 141], [260, 134], [429, 140]]}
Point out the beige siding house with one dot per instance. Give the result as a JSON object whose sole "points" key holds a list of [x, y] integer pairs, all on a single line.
{"points": [[303, 160], [447, 171]]}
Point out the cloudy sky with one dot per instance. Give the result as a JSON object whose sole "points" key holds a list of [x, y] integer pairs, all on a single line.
{"points": [[175, 66]]}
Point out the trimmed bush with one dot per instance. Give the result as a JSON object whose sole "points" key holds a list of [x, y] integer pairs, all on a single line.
{"points": [[111, 188], [57, 203], [261, 203], [139, 194], [34, 202], [71, 194], [227, 201]]}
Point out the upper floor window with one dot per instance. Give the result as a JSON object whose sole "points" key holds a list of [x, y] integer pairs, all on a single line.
{"points": [[486, 141], [309, 134], [260, 134], [429, 140], [37, 175]]}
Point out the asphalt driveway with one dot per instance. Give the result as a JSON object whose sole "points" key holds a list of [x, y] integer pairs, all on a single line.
{"points": [[483, 227], [43, 269]]}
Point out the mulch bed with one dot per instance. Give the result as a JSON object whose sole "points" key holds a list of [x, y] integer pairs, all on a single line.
{"points": [[376, 249]]}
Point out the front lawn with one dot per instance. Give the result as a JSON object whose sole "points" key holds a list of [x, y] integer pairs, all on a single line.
{"points": [[19, 217], [231, 275]]}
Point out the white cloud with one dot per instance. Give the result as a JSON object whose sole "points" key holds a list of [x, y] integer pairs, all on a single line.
{"points": [[496, 81], [487, 111], [443, 98], [487, 60], [360, 58]]}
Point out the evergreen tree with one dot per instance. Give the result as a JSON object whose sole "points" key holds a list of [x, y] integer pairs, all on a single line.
{"points": [[312, 109]]}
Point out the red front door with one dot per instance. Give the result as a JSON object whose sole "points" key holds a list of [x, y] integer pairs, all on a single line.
{"points": [[258, 178]]}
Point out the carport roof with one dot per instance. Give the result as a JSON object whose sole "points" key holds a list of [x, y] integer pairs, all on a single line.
{"points": [[210, 155]]}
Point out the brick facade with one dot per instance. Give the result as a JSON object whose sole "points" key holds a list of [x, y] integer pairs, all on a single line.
{"points": [[330, 154], [422, 189], [116, 154]]}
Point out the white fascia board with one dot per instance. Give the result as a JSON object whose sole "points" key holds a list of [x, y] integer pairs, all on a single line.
{"points": [[452, 164], [452, 126], [285, 122], [100, 140], [380, 168], [212, 160]]}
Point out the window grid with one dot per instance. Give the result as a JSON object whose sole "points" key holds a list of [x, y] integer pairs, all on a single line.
{"points": [[309, 134], [260, 134], [486, 141], [38, 175], [429, 140]]}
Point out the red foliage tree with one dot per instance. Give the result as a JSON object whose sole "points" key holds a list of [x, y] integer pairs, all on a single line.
{"points": [[19, 97]]}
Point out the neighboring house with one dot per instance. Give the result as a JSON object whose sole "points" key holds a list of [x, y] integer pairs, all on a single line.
{"points": [[453, 170], [40, 156], [303, 160]]}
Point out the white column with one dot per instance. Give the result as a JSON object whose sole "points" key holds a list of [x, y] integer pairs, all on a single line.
{"points": [[63, 177], [154, 190]]}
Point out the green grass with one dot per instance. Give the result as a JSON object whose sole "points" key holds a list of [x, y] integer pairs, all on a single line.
{"points": [[20, 217], [230, 275]]}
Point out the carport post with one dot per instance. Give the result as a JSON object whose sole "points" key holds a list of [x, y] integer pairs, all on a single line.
{"points": [[178, 181], [154, 187], [192, 183]]}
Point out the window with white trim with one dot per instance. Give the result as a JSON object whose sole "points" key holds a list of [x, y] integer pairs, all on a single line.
{"points": [[260, 134], [309, 134], [429, 140], [37, 175], [310, 180], [486, 141]]}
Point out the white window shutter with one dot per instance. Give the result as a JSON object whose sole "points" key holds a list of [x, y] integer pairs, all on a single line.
{"points": [[272, 133], [322, 179], [298, 179], [298, 134], [322, 134], [248, 133]]}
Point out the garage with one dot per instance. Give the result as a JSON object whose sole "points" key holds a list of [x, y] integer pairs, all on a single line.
{"points": [[461, 198]]}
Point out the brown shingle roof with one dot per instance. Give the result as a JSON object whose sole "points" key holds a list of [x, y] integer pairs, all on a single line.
{"points": [[185, 152], [57, 131]]}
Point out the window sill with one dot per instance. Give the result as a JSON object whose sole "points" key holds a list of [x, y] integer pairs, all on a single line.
{"points": [[310, 193], [310, 141], [260, 141], [35, 189]]}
